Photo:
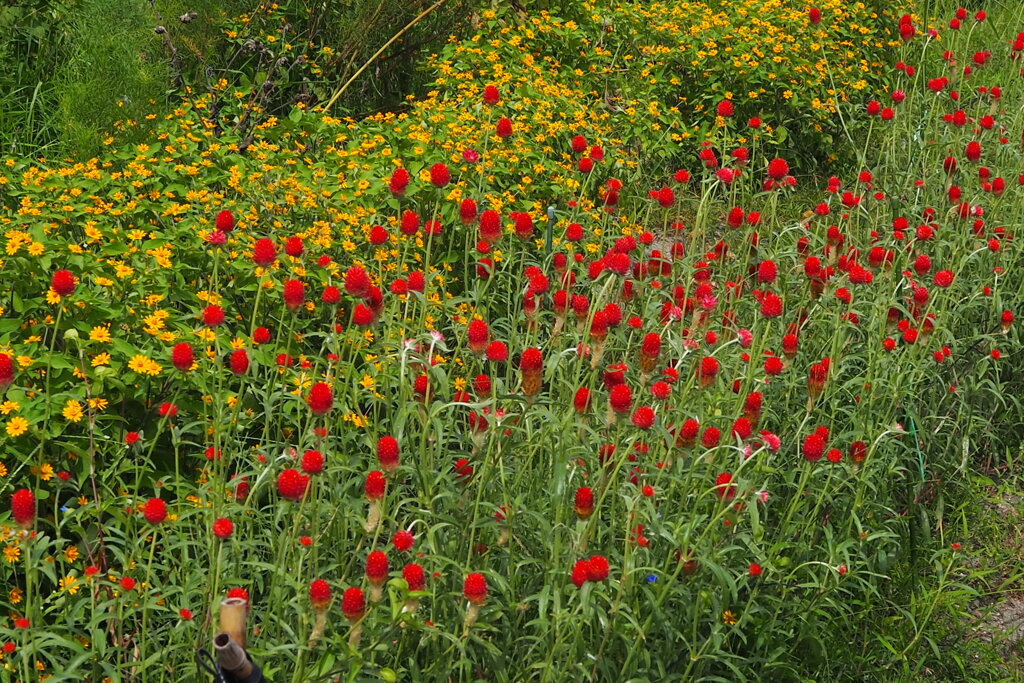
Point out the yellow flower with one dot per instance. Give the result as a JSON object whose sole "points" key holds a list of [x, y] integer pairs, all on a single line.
{"points": [[16, 596], [17, 426], [8, 407], [100, 333], [367, 382], [12, 553], [101, 359], [72, 411], [3, 470], [71, 553], [144, 366], [729, 618], [69, 583]]}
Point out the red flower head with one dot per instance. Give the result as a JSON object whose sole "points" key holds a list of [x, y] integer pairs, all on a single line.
{"points": [[213, 315], [532, 361], [357, 282], [523, 225], [771, 306], [755, 570], [814, 447], [320, 399], [943, 278], [643, 417], [504, 128], [410, 223], [181, 356], [312, 462], [403, 540], [155, 511], [584, 502], [491, 95], [580, 573], [497, 352], [387, 453], [239, 361], [467, 211], [597, 568], [225, 221], [63, 282], [223, 528], [375, 485], [377, 567], [581, 402], [6, 371], [294, 294], [707, 370], [320, 594], [414, 576], [858, 451], [973, 151], [814, 16], [478, 335], [490, 226], [620, 398], [440, 175], [725, 108], [778, 169], [353, 604], [724, 488], [292, 484], [399, 182], [294, 247], [23, 508], [475, 588], [579, 144]]}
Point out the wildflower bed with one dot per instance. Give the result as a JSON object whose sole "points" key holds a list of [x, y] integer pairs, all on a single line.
{"points": [[502, 386]]}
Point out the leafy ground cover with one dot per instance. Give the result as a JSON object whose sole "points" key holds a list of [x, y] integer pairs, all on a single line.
{"points": [[566, 372]]}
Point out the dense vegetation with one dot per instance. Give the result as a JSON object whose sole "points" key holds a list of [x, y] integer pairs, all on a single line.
{"points": [[649, 341]]}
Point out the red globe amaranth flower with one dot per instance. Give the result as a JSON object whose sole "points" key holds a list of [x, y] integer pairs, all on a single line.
{"points": [[490, 226], [23, 508], [399, 182], [223, 528], [580, 573], [725, 108], [213, 315], [643, 417], [294, 294], [320, 399], [387, 453], [778, 169], [814, 447], [414, 576], [239, 361], [6, 371], [375, 485], [319, 594], [331, 295], [707, 370], [292, 484], [167, 409], [357, 282], [440, 175], [491, 95], [225, 221], [504, 128], [63, 282], [943, 278], [581, 402], [182, 357], [584, 502], [312, 462], [353, 604], [814, 16], [264, 252], [127, 583], [475, 588], [403, 540], [478, 335], [362, 316], [597, 568], [155, 511], [755, 570], [724, 488], [523, 224], [377, 567], [771, 306], [294, 247], [620, 399], [858, 451]]}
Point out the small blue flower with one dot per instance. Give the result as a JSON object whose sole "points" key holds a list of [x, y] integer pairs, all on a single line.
{"points": [[64, 508], [652, 578]]}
